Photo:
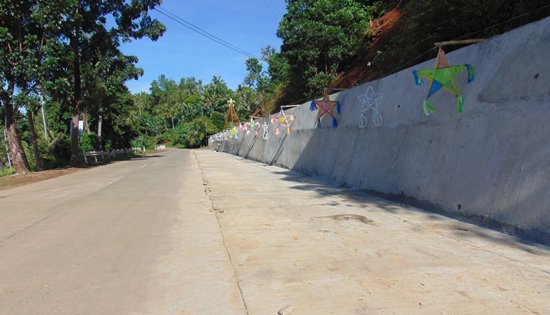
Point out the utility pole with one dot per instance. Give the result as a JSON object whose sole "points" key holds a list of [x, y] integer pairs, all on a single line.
{"points": [[7, 148], [99, 123], [43, 117]]}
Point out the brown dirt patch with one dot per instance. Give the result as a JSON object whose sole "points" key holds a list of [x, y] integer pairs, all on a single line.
{"points": [[380, 31], [7, 182]]}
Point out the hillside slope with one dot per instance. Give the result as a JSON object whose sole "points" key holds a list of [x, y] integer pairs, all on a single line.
{"points": [[405, 34]]}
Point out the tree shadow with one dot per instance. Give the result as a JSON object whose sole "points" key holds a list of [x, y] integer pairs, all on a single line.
{"points": [[399, 204]]}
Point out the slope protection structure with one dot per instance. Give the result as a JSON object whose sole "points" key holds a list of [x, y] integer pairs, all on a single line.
{"points": [[489, 164]]}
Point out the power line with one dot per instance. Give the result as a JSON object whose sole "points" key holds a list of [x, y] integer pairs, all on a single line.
{"points": [[272, 7], [202, 32]]}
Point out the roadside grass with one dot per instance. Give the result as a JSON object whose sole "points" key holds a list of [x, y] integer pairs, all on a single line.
{"points": [[7, 172]]}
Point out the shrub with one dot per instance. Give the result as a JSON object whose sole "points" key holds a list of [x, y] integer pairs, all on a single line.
{"points": [[218, 119], [60, 150], [7, 171], [143, 141], [89, 142]]}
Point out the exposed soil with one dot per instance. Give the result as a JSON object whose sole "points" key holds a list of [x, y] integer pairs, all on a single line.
{"points": [[7, 182], [383, 29]]}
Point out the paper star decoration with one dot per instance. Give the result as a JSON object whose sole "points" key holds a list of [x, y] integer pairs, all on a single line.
{"points": [[369, 101], [217, 138], [253, 126], [243, 127], [234, 133], [284, 121], [325, 107], [442, 76], [266, 130]]}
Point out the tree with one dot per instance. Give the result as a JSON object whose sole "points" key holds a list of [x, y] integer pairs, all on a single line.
{"points": [[198, 129], [247, 100], [83, 31], [19, 34], [255, 77], [167, 100], [31, 103], [216, 94], [319, 39]]}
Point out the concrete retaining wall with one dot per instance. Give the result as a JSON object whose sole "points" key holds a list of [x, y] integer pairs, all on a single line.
{"points": [[490, 164]]}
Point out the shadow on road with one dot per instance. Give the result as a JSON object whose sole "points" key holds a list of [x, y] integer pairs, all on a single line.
{"points": [[398, 204]]}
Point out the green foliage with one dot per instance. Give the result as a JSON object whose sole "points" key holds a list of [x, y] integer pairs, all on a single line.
{"points": [[218, 119], [143, 141], [68, 53], [180, 135], [89, 142], [7, 171], [4, 147], [190, 135], [247, 100], [183, 114], [216, 94], [255, 77], [30, 156], [427, 21], [69, 57], [56, 153], [199, 129], [319, 40]]}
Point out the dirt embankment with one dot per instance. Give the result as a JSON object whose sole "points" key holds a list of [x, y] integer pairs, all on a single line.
{"points": [[380, 33]]}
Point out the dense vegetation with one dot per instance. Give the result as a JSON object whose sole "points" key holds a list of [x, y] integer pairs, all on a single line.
{"points": [[64, 55], [66, 52], [424, 22], [183, 113]]}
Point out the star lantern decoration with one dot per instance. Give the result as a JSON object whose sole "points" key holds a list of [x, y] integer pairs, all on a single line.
{"points": [[442, 76], [369, 102], [284, 121], [234, 133], [253, 126], [243, 127], [325, 107], [265, 127]]}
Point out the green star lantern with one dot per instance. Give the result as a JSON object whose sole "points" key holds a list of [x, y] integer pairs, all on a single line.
{"points": [[442, 76]]}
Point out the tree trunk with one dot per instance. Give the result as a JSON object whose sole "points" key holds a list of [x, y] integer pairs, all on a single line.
{"points": [[34, 141], [18, 157], [74, 139]]}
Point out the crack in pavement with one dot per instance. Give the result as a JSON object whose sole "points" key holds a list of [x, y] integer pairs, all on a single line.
{"points": [[216, 211]]}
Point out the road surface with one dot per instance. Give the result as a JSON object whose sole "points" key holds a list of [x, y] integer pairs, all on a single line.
{"points": [[200, 232]]}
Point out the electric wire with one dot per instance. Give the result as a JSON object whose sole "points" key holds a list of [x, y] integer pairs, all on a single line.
{"points": [[220, 41], [202, 32], [273, 7]]}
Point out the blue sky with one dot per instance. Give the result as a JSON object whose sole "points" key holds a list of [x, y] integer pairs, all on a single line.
{"points": [[247, 24]]}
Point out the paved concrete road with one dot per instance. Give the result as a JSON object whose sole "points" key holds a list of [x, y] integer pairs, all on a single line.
{"points": [[316, 249], [139, 237], [134, 237]]}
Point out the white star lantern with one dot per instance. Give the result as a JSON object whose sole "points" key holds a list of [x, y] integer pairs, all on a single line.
{"points": [[369, 101], [265, 126]]}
